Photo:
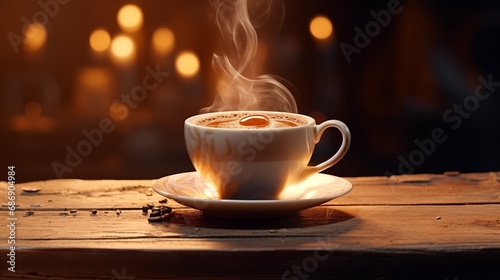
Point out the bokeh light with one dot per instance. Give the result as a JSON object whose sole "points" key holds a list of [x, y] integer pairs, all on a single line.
{"points": [[33, 109], [34, 120], [122, 46], [118, 111], [35, 37], [187, 64], [321, 27], [130, 18], [163, 40], [100, 40]]}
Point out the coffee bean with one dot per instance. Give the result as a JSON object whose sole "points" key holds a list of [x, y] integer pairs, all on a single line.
{"points": [[165, 210], [158, 211], [155, 213], [151, 205], [164, 217], [155, 219], [163, 200], [94, 211], [145, 209]]}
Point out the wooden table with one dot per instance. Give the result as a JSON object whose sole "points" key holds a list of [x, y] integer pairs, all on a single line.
{"points": [[404, 227]]}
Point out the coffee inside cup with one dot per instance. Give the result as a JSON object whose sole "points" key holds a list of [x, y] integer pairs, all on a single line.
{"points": [[250, 121]]}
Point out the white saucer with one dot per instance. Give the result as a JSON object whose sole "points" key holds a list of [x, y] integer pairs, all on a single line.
{"points": [[190, 189]]}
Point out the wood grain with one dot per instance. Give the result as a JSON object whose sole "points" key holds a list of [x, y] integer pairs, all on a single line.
{"points": [[443, 227]]}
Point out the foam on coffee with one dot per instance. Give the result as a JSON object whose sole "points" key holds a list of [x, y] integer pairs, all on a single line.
{"points": [[251, 121]]}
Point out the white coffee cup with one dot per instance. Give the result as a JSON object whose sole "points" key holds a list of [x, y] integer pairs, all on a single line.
{"points": [[243, 158]]}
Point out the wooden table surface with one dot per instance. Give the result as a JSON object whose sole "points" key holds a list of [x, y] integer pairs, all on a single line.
{"points": [[424, 226]]}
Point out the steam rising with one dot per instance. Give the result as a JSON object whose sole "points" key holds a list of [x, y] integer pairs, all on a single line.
{"points": [[240, 92]]}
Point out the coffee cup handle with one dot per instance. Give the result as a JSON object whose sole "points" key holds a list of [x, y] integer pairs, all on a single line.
{"points": [[346, 142]]}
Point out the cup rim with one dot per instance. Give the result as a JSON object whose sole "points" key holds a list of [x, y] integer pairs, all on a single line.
{"points": [[189, 121]]}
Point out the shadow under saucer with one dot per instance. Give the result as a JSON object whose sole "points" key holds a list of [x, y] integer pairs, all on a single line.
{"points": [[312, 217]]}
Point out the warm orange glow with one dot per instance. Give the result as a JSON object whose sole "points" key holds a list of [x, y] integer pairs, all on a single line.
{"points": [[130, 18], [95, 90], [33, 120], [35, 37], [118, 111], [33, 110], [187, 64], [122, 47], [100, 40], [98, 77], [321, 27], [19, 123], [23, 123], [221, 86], [163, 40]]}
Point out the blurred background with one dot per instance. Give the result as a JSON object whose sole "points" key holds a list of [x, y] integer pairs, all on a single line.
{"points": [[100, 89]]}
